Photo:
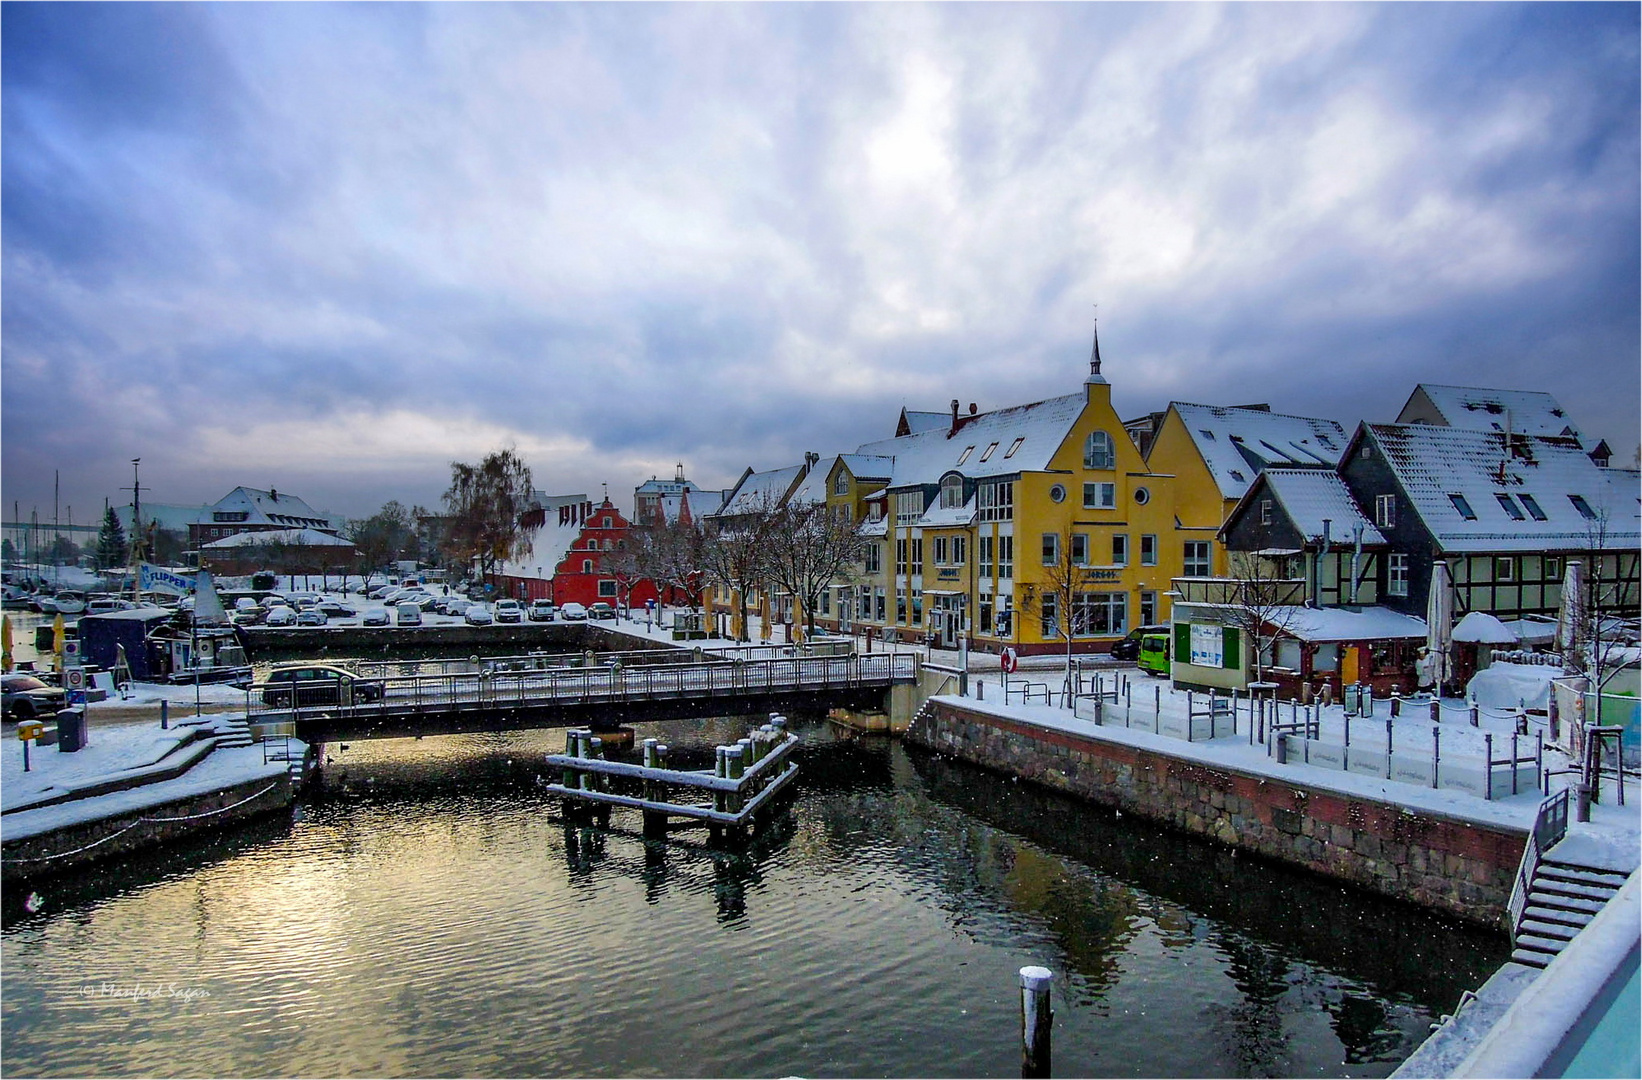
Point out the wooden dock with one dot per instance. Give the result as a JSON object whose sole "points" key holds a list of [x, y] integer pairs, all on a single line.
{"points": [[746, 776]]}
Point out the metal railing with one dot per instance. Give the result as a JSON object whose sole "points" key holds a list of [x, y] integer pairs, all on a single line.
{"points": [[1550, 826], [543, 687]]}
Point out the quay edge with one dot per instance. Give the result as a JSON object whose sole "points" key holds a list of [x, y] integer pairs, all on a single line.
{"points": [[1459, 867]]}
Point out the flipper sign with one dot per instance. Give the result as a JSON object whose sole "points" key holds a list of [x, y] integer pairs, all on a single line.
{"points": [[1009, 661]]}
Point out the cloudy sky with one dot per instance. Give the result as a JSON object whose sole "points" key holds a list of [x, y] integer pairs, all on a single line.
{"points": [[331, 248]]}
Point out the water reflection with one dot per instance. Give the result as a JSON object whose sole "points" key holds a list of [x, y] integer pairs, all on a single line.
{"points": [[435, 913]]}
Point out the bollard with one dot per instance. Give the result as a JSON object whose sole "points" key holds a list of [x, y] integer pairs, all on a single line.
{"points": [[1037, 1018], [165, 713], [980, 690], [1488, 767], [1513, 763], [1396, 704], [1436, 711], [1475, 714], [1436, 752], [1282, 748]]}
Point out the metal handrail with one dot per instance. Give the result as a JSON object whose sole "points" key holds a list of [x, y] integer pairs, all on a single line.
{"points": [[1550, 826]]}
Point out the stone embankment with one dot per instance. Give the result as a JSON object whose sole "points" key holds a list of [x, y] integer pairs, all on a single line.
{"points": [[1461, 866]]}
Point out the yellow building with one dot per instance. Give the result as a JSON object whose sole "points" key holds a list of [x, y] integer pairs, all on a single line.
{"points": [[1211, 454]]}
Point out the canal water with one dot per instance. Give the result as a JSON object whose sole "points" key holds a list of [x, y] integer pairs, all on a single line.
{"points": [[430, 913]]}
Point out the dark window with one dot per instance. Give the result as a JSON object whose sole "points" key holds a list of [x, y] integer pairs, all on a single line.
{"points": [[1463, 506], [1509, 505], [1582, 506], [1532, 506]]}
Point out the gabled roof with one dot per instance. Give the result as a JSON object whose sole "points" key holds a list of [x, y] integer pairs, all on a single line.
{"points": [[868, 466], [914, 423], [1525, 412], [812, 489], [269, 508], [1236, 442], [1308, 496], [293, 537], [545, 548], [1433, 463], [760, 491], [924, 457]]}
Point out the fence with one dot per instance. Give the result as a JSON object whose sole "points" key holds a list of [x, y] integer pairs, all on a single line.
{"points": [[1360, 743]]}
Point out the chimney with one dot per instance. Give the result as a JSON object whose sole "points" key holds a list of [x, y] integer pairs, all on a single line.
{"points": [[273, 495], [973, 408], [954, 430]]}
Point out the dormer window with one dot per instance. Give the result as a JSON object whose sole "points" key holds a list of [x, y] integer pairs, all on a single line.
{"points": [[841, 484], [988, 451], [952, 492], [1462, 505], [963, 457], [1016, 445]]}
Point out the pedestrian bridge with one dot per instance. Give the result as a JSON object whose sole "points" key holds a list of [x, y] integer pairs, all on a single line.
{"points": [[531, 693]]}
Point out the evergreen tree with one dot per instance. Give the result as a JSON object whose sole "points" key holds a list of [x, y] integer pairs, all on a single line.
{"points": [[111, 547]]}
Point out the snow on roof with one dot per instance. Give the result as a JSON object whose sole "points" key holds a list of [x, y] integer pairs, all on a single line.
{"points": [[1310, 495], [268, 508], [919, 422], [1343, 624], [868, 466], [875, 528], [924, 457], [1237, 442], [1483, 628], [760, 490], [1434, 463], [293, 537], [1526, 412], [812, 489], [953, 515], [544, 549]]}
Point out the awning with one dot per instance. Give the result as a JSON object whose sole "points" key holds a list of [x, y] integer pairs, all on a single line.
{"points": [[946, 592]]}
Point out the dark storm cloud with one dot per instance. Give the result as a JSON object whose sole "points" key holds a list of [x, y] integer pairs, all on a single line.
{"points": [[332, 247]]}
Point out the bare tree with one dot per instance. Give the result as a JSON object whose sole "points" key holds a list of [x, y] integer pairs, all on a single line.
{"points": [[1610, 588], [809, 546], [734, 554], [485, 503], [1064, 574], [1263, 602]]}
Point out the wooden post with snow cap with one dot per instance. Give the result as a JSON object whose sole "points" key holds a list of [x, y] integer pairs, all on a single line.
{"points": [[1036, 1020]]}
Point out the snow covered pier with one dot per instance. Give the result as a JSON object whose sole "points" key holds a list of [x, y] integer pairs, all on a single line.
{"points": [[746, 776]]}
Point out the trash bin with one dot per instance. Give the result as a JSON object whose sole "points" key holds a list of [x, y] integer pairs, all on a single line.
{"points": [[71, 730], [45, 638]]}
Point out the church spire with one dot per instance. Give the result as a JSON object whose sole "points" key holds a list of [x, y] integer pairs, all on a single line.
{"points": [[1094, 360]]}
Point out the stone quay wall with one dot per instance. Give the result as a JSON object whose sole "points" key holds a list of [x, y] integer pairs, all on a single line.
{"points": [[1463, 868], [75, 844]]}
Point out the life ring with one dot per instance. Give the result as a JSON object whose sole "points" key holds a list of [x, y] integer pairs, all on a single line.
{"points": [[1009, 661]]}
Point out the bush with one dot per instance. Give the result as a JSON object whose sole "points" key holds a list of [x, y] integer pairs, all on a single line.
{"points": [[263, 581]]}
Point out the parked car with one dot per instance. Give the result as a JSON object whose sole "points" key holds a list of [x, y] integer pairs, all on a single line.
{"points": [[249, 617], [381, 592], [105, 605], [509, 611], [540, 611], [280, 615], [275, 600], [477, 615], [1154, 654], [318, 684], [601, 610], [311, 616], [1129, 647], [572, 612], [26, 697], [69, 602], [336, 609], [455, 605], [407, 614], [376, 616]]}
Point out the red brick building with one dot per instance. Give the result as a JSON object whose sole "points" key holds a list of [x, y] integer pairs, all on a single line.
{"points": [[582, 576]]}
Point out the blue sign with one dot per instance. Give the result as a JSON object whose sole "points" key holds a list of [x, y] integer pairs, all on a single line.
{"points": [[151, 578]]}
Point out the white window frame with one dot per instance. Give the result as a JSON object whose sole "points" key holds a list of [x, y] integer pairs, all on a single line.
{"points": [[1120, 549], [1148, 551], [1385, 511], [1099, 451], [1396, 574], [1099, 495]]}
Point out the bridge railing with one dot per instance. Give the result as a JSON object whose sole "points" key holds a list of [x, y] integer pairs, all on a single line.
{"points": [[535, 688], [535, 661]]}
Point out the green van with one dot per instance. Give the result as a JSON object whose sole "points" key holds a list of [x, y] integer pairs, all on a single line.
{"points": [[1154, 654]]}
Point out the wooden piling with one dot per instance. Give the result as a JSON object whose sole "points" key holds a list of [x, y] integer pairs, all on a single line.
{"points": [[1037, 1018]]}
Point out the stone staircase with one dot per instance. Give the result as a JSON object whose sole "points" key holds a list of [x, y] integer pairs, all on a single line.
{"points": [[1562, 898], [232, 733]]}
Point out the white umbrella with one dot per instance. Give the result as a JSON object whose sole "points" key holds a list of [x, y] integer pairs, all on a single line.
{"points": [[1439, 619], [1570, 618]]}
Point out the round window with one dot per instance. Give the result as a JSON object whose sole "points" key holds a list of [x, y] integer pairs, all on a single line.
{"points": [[1057, 494], [1142, 496]]}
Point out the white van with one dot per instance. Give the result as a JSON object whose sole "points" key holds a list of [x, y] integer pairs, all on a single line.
{"points": [[407, 615]]}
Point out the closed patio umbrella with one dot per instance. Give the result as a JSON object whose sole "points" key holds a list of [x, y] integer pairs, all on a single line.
{"points": [[1439, 619], [1570, 619]]}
